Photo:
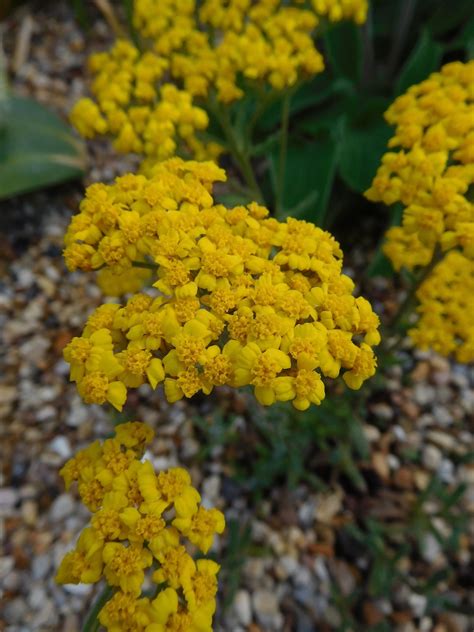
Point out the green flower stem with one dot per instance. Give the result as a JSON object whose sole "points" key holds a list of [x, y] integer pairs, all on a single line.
{"points": [[92, 623], [410, 300], [238, 153], [280, 183], [144, 264]]}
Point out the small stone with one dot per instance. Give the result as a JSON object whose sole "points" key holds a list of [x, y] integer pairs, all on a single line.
{"points": [[442, 416], [40, 566], [78, 413], [47, 615], [243, 607], [62, 507], [286, 566], [29, 512], [399, 433], [382, 411], [306, 513], [432, 457], [372, 433], [343, 575], [403, 478], [446, 471], [380, 465], [12, 581], [61, 446], [417, 604], [37, 596], [327, 507], [430, 548], [424, 394], [6, 565], [8, 499], [210, 488], [15, 610], [8, 394], [265, 606], [46, 412], [421, 479], [441, 439], [393, 461], [71, 623], [372, 614], [82, 590]]}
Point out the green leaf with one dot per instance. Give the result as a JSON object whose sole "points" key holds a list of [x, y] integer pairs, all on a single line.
{"points": [[312, 93], [465, 39], [344, 49], [424, 59], [447, 17], [380, 264], [309, 175], [38, 149], [362, 145]]}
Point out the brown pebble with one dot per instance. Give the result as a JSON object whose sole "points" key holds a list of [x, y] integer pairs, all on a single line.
{"points": [[372, 615], [380, 465], [403, 478], [401, 617]]}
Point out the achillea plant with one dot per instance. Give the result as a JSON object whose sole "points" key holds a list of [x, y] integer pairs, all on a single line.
{"points": [[138, 525], [446, 308], [433, 169], [432, 175], [156, 100], [240, 298]]}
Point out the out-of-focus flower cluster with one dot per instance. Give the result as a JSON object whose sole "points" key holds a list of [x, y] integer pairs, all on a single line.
{"points": [[446, 309], [242, 298], [433, 170], [139, 521], [221, 50], [144, 113], [215, 47], [337, 10]]}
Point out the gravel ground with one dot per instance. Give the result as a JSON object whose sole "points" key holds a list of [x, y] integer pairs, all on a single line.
{"points": [[420, 424]]}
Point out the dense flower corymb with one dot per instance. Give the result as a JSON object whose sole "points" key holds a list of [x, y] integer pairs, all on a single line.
{"points": [[154, 99], [138, 524], [238, 298], [433, 169], [446, 309], [432, 175]]}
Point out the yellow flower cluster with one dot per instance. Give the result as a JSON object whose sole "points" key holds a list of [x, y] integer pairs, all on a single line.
{"points": [[434, 168], [144, 113], [446, 309], [242, 299], [223, 43], [337, 10], [138, 522]]}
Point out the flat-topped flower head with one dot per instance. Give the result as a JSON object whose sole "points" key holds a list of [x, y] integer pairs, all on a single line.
{"points": [[237, 298], [432, 174], [144, 525]]}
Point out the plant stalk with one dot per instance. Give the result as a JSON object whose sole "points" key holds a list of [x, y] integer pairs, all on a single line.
{"points": [[240, 156], [280, 184], [92, 623]]}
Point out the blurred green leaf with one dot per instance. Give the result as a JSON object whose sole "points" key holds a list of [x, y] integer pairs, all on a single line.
{"points": [[448, 16], [344, 49], [309, 175], [310, 94], [465, 39], [38, 149], [363, 143], [380, 264], [423, 60]]}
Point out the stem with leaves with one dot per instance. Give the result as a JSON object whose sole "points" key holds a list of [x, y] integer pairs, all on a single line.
{"points": [[280, 183], [409, 301], [237, 150], [92, 623]]}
